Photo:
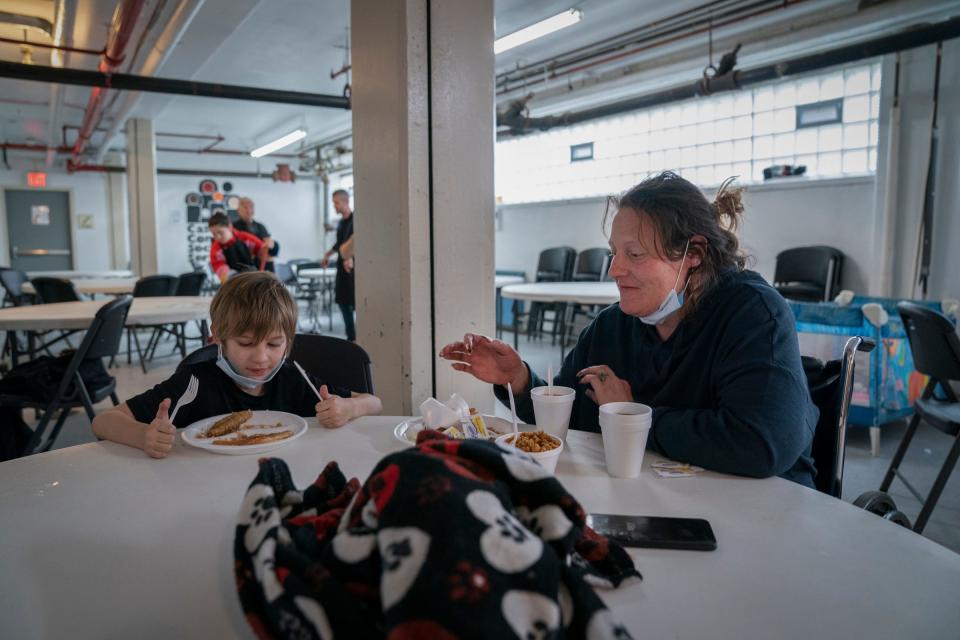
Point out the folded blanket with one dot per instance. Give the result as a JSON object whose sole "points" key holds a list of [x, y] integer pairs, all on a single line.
{"points": [[450, 539]]}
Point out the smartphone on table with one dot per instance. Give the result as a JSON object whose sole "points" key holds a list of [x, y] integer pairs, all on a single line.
{"points": [[655, 532]]}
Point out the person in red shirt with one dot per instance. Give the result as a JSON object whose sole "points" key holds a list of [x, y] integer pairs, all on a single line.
{"points": [[233, 250]]}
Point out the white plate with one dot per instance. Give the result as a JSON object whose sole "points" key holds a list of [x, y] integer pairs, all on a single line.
{"points": [[406, 432], [190, 434]]}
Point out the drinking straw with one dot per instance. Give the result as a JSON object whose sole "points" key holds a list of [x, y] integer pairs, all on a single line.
{"points": [[513, 413]]}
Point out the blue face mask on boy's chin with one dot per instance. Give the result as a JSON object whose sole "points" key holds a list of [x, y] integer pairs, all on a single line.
{"points": [[250, 383]]}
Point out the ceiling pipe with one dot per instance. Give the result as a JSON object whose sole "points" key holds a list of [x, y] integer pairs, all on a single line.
{"points": [[64, 18], [40, 148], [910, 38], [54, 46], [121, 30], [674, 28], [208, 173], [128, 82], [164, 44]]}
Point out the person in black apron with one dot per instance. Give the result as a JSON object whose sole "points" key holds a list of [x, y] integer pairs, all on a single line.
{"points": [[344, 294]]}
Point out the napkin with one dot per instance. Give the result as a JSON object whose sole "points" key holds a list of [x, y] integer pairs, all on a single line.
{"points": [[450, 539]]}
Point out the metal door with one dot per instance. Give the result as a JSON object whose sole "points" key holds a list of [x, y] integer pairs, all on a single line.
{"points": [[38, 227]]}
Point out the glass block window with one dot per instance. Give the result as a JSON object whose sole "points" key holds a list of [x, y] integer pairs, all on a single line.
{"points": [[704, 139]]}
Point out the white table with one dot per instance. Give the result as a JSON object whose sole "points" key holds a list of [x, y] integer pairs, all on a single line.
{"points": [[326, 276], [70, 274], [93, 286], [101, 541], [589, 293], [502, 281], [144, 312], [317, 273]]}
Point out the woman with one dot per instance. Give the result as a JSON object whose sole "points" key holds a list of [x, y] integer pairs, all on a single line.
{"points": [[709, 345]]}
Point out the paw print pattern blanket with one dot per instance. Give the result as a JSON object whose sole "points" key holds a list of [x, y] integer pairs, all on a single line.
{"points": [[450, 539]]}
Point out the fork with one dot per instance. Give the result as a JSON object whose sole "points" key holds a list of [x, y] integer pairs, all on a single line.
{"points": [[188, 396]]}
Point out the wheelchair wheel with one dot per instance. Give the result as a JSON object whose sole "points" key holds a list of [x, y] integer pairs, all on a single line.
{"points": [[876, 502]]}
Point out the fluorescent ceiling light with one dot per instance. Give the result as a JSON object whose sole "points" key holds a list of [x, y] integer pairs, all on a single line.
{"points": [[279, 143], [538, 30]]}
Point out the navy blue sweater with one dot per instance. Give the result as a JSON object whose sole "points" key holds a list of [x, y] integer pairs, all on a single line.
{"points": [[727, 388]]}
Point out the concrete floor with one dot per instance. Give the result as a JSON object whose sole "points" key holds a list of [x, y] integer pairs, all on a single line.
{"points": [[862, 471]]}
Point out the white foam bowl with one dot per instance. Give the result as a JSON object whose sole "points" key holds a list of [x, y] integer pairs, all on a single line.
{"points": [[547, 459]]}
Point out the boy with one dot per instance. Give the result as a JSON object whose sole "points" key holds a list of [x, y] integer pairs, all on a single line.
{"points": [[253, 320], [234, 250]]}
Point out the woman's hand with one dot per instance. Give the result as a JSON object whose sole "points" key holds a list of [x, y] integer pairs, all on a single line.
{"points": [[333, 411], [160, 434], [489, 360], [604, 385]]}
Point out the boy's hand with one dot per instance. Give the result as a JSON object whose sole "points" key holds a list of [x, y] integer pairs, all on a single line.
{"points": [[333, 411], [160, 434]]}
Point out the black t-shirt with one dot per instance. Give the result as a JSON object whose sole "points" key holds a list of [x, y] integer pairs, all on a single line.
{"points": [[258, 230], [218, 394]]}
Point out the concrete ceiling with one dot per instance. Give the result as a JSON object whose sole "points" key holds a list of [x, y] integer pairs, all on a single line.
{"points": [[293, 44]]}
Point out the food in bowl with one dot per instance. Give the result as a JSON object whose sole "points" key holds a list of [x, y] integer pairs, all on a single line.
{"points": [[534, 441]]}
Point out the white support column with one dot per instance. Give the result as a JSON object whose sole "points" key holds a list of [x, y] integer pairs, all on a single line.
{"points": [[423, 178], [142, 196], [118, 215], [463, 133]]}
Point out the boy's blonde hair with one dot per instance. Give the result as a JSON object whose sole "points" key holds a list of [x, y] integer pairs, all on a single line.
{"points": [[254, 302]]}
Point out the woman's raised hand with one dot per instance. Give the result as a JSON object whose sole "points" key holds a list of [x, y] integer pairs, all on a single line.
{"points": [[487, 359]]}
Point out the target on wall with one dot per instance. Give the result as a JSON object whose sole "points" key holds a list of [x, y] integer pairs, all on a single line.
{"points": [[201, 204]]}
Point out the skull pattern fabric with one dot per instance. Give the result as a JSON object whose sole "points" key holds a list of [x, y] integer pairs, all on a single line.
{"points": [[450, 539]]}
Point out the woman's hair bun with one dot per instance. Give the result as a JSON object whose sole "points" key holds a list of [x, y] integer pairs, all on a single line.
{"points": [[728, 203]]}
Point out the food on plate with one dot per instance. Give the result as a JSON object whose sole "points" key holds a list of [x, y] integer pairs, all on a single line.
{"points": [[254, 438], [534, 441], [228, 424]]}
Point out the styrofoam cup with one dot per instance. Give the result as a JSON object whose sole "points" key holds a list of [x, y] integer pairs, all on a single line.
{"points": [[551, 409], [625, 426], [547, 459]]}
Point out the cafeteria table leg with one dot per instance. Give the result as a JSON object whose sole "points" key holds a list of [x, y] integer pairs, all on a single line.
{"points": [[31, 344], [496, 323], [516, 325], [204, 333], [14, 350]]}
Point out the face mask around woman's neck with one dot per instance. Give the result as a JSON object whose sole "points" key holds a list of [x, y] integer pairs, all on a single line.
{"points": [[673, 300]]}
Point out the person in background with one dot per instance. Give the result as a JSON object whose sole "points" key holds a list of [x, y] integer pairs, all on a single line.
{"points": [[709, 345], [249, 225], [233, 250], [253, 320], [344, 293]]}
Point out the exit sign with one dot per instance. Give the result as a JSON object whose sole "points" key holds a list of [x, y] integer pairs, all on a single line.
{"points": [[36, 179]]}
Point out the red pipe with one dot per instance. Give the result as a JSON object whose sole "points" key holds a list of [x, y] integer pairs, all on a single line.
{"points": [[124, 21]]}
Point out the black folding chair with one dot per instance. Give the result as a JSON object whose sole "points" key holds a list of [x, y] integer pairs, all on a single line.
{"points": [[12, 281], [51, 291], [157, 286], [203, 354], [810, 274], [334, 360], [831, 387], [554, 265], [190, 283], [101, 340], [936, 353]]}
